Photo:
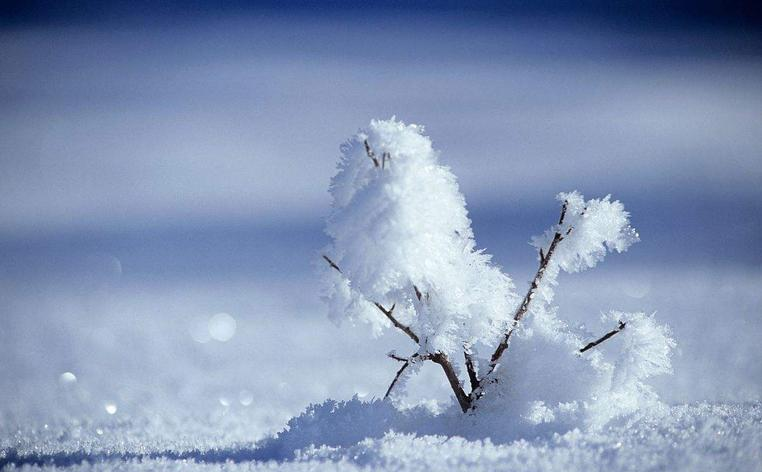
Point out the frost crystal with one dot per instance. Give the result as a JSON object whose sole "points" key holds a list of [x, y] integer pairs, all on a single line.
{"points": [[597, 226], [401, 236]]}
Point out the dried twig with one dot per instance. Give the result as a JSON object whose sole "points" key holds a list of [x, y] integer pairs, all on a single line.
{"points": [[439, 358], [407, 361], [414, 358], [405, 329], [331, 263], [417, 293], [463, 400], [393, 355], [604, 337], [370, 153], [471, 368], [452, 377], [396, 378], [524, 307], [388, 313]]}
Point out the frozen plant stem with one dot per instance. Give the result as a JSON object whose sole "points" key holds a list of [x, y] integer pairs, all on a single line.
{"points": [[438, 358], [397, 324], [604, 337], [524, 307], [396, 378], [470, 367], [370, 153]]}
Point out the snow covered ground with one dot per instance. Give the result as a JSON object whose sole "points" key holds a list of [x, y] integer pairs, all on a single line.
{"points": [[153, 389], [692, 437]]}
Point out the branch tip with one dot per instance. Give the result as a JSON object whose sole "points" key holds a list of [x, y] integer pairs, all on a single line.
{"points": [[603, 338], [331, 263], [370, 153]]}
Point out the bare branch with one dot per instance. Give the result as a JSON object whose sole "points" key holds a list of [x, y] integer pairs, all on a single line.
{"points": [[414, 358], [396, 379], [386, 312], [439, 358], [604, 337], [463, 400], [393, 355], [397, 324], [370, 153], [331, 263], [407, 362], [471, 367], [561, 217], [524, 307], [385, 157]]}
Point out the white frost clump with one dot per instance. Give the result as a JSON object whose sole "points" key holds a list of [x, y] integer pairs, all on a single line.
{"points": [[401, 228], [545, 378], [598, 226], [645, 353]]}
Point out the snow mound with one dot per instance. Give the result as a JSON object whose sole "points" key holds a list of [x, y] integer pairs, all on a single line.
{"points": [[698, 437]]}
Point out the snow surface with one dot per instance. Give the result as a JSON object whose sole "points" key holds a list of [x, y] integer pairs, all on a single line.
{"points": [[355, 435], [107, 368], [132, 344]]}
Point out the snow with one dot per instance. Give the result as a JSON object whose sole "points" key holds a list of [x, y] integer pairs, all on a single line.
{"points": [[167, 387], [400, 229], [721, 437]]}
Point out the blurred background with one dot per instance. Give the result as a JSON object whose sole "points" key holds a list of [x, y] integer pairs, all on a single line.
{"points": [[164, 170]]}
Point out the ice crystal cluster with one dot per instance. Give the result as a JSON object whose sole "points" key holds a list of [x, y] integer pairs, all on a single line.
{"points": [[401, 238], [404, 227]]}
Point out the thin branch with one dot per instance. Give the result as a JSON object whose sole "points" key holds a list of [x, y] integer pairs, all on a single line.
{"points": [[524, 307], [393, 355], [388, 313], [414, 358], [407, 361], [471, 367], [604, 337], [397, 324], [417, 293], [396, 379], [384, 158], [439, 358], [331, 263], [371, 154], [463, 400]]}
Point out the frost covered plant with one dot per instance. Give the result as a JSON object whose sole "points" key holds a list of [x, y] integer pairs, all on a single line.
{"points": [[403, 255]]}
